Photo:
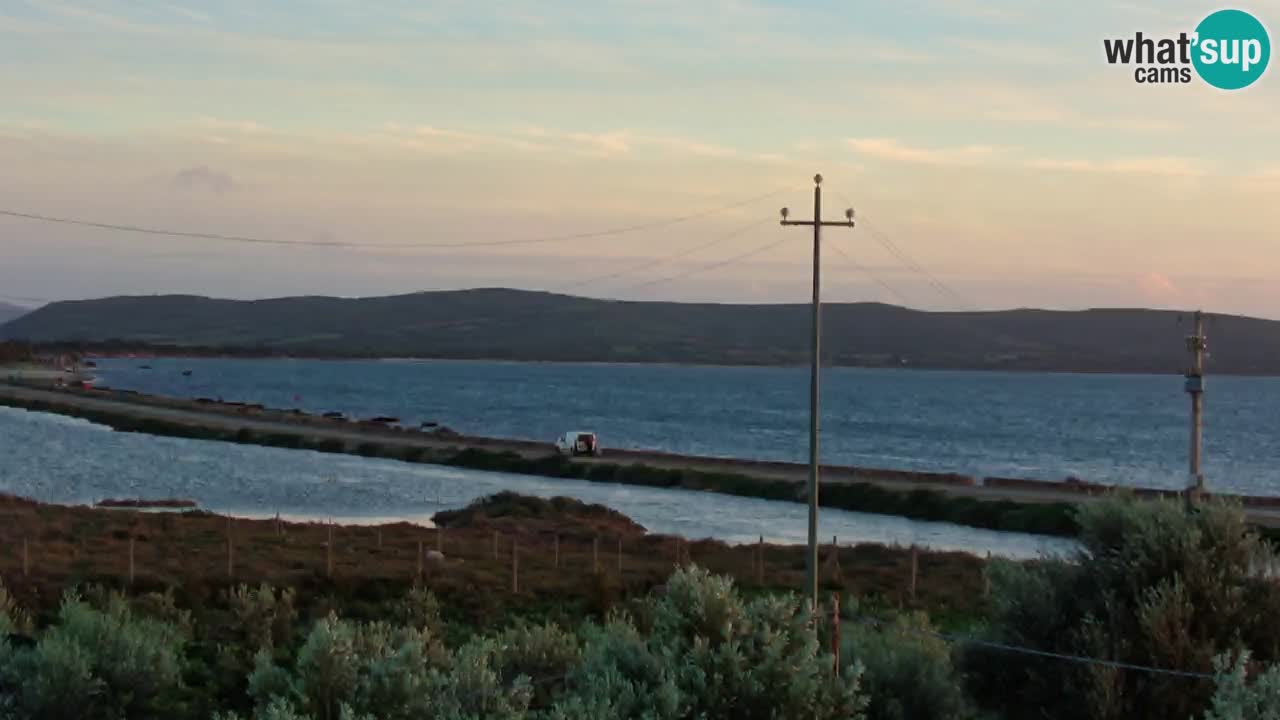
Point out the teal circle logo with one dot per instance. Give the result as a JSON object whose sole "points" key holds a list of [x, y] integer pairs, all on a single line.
{"points": [[1231, 49]]}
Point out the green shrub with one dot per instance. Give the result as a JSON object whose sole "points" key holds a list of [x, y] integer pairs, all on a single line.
{"points": [[619, 676], [1151, 585], [1238, 699], [263, 616], [542, 653], [907, 672], [95, 664], [711, 654], [347, 669], [419, 609]]}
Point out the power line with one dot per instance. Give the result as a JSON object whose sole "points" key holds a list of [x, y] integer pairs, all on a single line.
{"points": [[706, 268], [871, 274], [888, 243], [1082, 659], [667, 258], [910, 262], [343, 244]]}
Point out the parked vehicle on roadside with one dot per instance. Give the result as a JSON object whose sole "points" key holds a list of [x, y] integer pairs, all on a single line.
{"points": [[578, 443]]}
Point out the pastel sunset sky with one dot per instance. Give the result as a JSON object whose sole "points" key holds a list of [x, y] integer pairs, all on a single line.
{"points": [[989, 142]]}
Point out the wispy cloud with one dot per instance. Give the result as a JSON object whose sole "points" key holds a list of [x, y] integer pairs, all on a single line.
{"points": [[891, 149], [1168, 166], [203, 179]]}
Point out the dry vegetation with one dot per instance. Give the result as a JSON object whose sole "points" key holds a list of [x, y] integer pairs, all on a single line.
{"points": [[188, 553]]}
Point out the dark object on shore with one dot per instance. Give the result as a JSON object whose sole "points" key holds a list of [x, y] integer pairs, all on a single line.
{"points": [[335, 416], [428, 425], [566, 516], [144, 367], [383, 420], [143, 503], [186, 373]]}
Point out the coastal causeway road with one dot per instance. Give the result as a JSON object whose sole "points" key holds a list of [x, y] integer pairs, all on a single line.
{"points": [[228, 419]]}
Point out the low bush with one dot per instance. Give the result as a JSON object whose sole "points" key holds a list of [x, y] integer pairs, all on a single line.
{"points": [[907, 671], [93, 664], [1151, 585]]}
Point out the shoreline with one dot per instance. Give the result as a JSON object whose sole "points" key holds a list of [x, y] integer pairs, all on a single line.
{"points": [[89, 350], [1013, 504]]}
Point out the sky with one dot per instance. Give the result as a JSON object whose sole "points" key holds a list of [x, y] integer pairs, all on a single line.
{"points": [[993, 157]]}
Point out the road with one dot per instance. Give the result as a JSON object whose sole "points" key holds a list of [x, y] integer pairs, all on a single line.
{"points": [[230, 418]]}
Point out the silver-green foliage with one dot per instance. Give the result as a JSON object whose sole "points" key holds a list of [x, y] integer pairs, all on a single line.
{"points": [[356, 670], [264, 615], [1152, 585], [907, 671], [1239, 699], [94, 663], [711, 654]]}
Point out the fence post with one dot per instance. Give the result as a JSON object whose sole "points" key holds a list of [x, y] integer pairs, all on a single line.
{"points": [[379, 538], [619, 555], [26, 558], [439, 540], [556, 548], [595, 554], [328, 554], [915, 570], [515, 566], [130, 561], [495, 544], [419, 560]]}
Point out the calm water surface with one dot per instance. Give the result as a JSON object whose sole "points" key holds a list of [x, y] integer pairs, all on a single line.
{"points": [[1127, 429], [67, 460]]}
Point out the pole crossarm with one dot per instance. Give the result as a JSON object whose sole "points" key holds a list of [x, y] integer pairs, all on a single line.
{"points": [[817, 223], [823, 223]]}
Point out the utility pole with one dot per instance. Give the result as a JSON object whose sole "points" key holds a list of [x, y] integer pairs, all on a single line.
{"points": [[1196, 345], [811, 563]]}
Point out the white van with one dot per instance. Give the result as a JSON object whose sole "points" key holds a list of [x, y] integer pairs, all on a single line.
{"points": [[578, 443]]}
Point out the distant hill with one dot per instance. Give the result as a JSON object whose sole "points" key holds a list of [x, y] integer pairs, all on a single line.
{"points": [[523, 325], [11, 312]]}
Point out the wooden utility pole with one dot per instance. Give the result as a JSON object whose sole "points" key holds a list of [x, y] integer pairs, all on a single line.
{"points": [[1196, 346], [815, 364]]}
